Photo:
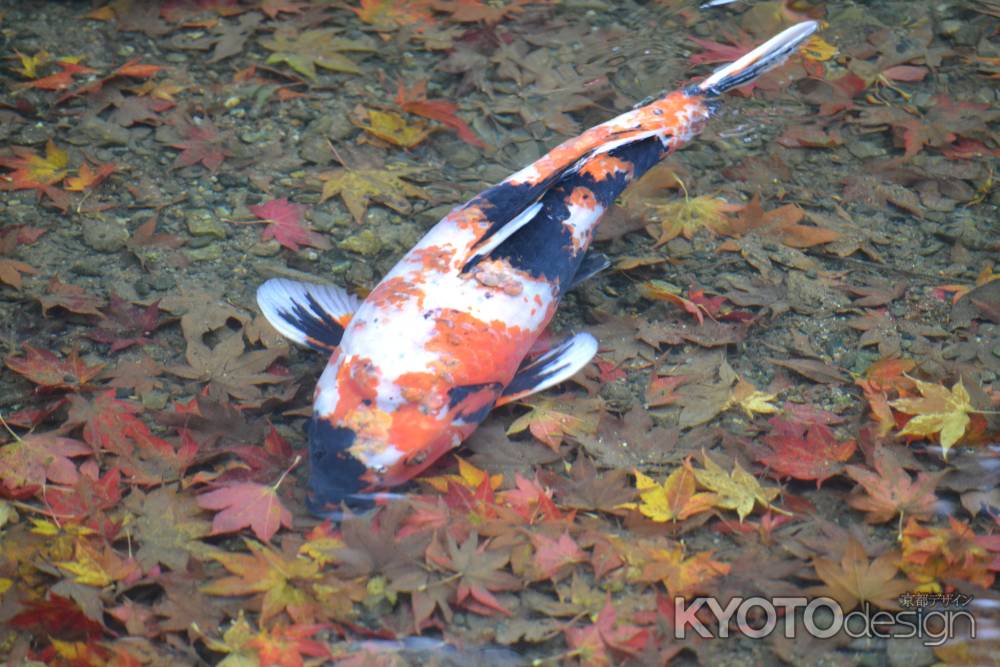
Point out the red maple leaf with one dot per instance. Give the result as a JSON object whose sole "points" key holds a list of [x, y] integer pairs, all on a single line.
{"points": [[247, 504], [56, 617], [61, 79], [104, 419], [286, 226], [721, 52], [202, 144], [124, 325], [50, 372], [87, 499], [414, 100], [593, 642], [804, 450], [132, 69], [28, 462], [554, 558]]}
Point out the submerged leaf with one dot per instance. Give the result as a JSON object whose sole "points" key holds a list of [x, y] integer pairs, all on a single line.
{"points": [[938, 411]]}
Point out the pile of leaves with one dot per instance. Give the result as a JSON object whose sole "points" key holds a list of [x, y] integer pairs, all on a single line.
{"points": [[797, 391]]}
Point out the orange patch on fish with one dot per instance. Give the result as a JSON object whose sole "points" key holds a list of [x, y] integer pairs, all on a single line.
{"points": [[603, 166], [395, 292], [582, 197], [433, 258], [424, 388], [473, 352], [357, 382]]}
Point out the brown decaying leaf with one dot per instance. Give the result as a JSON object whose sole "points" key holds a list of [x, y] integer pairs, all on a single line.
{"points": [[855, 579]]}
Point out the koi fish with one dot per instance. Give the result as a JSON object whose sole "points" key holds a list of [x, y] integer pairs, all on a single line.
{"points": [[445, 336]]}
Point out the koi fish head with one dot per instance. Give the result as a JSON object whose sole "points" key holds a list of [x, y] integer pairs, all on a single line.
{"points": [[366, 436]]}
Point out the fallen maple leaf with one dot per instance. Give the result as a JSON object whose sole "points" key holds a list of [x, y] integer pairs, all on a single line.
{"points": [[306, 51], [938, 411], [284, 646], [73, 298], [68, 68], [890, 491], [28, 462], [247, 504], [391, 127], [202, 144], [414, 100], [392, 14], [684, 217], [659, 290], [286, 226], [49, 371], [674, 499], [804, 450], [468, 476], [751, 400], [273, 574], [479, 570], [932, 553], [87, 178], [550, 420], [359, 187], [781, 224], [31, 171], [855, 579], [666, 561], [11, 270], [554, 557], [738, 490], [593, 644], [588, 491]]}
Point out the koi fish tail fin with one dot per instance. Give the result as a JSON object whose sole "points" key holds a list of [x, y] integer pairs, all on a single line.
{"points": [[768, 55]]}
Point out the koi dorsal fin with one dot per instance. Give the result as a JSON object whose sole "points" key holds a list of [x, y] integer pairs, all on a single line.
{"points": [[557, 365], [309, 314]]}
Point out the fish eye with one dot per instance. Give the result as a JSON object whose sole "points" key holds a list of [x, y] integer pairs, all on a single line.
{"points": [[366, 401]]}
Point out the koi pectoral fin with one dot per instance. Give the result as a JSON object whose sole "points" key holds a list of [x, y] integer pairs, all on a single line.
{"points": [[592, 264], [765, 57], [309, 314], [555, 366]]}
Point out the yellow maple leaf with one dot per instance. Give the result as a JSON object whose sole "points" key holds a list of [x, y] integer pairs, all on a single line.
{"points": [[468, 476], [818, 49], [393, 128], [30, 64], [86, 569], [752, 400], [684, 217], [938, 411], [359, 187], [738, 490], [674, 499]]}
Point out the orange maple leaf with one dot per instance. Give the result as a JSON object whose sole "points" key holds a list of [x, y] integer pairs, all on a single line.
{"points": [[890, 491], [34, 172]]}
